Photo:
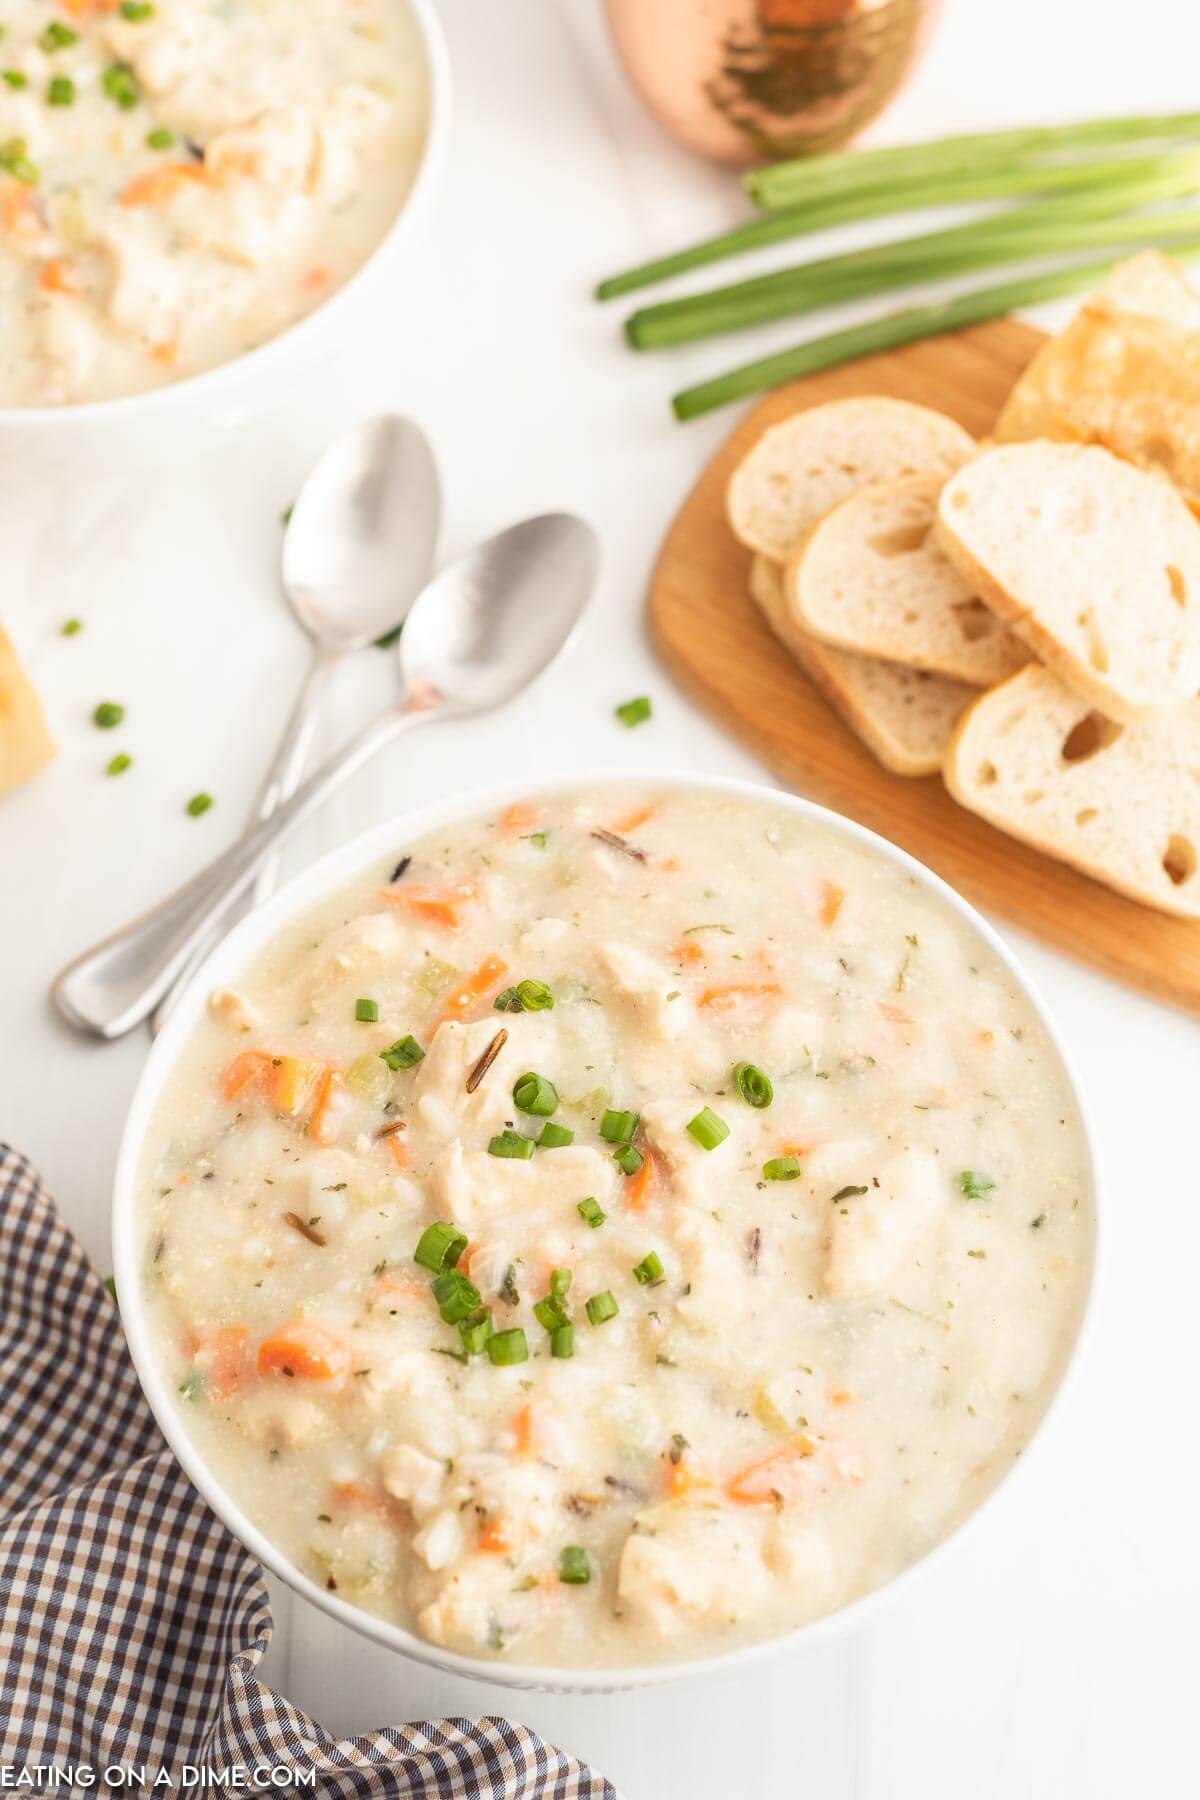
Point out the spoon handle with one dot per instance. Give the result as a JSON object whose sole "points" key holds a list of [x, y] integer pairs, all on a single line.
{"points": [[118, 982], [279, 783]]}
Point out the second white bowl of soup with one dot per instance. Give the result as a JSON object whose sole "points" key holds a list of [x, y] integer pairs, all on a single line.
{"points": [[600, 1230]]}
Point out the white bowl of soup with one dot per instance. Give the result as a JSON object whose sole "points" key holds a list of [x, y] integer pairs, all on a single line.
{"points": [[192, 193], [591, 1231]]}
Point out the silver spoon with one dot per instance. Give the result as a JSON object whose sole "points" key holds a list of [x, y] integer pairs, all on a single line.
{"points": [[479, 633], [358, 548]]}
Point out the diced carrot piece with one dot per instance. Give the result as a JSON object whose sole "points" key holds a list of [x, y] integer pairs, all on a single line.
{"points": [[59, 276], [291, 1081], [459, 1001], [85, 9], [440, 905], [723, 999], [226, 1360], [21, 214], [305, 1351], [330, 1104], [633, 821], [687, 950], [519, 817], [154, 187], [245, 1071], [775, 1478], [831, 904], [494, 1539], [523, 1429], [637, 1190], [399, 1149], [684, 1478], [359, 1497]]}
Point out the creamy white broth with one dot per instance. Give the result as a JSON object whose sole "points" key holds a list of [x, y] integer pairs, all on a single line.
{"points": [[829, 1372], [214, 169]]}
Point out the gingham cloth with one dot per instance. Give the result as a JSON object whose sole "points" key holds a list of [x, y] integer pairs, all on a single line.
{"points": [[131, 1622]]}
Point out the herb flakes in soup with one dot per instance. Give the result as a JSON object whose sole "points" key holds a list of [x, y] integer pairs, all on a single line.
{"points": [[651, 1280]]}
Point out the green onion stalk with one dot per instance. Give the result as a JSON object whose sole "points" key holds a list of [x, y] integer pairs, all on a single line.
{"points": [[951, 187], [891, 331], [1023, 234]]}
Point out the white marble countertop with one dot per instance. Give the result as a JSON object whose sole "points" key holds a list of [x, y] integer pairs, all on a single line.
{"points": [[1052, 1655]]}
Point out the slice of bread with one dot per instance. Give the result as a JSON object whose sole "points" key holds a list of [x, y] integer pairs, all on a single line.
{"points": [[803, 466], [1122, 803], [871, 577], [25, 741], [904, 717], [1124, 373], [1094, 563]]}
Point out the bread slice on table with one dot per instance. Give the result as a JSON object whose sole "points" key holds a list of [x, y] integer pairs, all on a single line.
{"points": [[1121, 803], [801, 467], [1124, 373], [25, 741], [903, 716], [871, 577], [1093, 563]]}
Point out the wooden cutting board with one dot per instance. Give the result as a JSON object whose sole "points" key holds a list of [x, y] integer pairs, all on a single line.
{"points": [[712, 638]]}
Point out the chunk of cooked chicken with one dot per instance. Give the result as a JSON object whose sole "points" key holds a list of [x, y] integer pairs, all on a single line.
{"points": [[470, 1186], [686, 1565], [440, 1085], [651, 994], [872, 1235]]}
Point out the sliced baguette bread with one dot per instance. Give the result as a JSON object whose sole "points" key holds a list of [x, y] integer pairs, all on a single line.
{"points": [[904, 717], [1124, 373], [25, 741], [1095, 564], [1119, 802], [871, 577], [803, 466]]}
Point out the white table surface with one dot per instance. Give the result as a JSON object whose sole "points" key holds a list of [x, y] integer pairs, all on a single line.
{"points": [[1053, 1654]]}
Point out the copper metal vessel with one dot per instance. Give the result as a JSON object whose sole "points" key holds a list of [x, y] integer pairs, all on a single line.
{"points": [[742, 80]]}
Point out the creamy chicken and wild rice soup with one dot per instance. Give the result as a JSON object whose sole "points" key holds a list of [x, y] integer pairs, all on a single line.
{"points": [[617, 1229], [182, 179]]}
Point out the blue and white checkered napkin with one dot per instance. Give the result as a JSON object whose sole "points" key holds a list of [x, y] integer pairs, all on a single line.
{"points": [[131, 1621]]}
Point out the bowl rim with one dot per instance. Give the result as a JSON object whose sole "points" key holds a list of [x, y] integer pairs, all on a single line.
{"points": [[135, 408], [250, 936]]}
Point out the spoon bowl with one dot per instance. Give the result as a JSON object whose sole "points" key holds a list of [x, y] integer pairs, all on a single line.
{"points": [[487, 626], [361, 537]]}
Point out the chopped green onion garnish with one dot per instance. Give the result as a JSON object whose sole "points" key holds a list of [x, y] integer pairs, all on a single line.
{"points": [[628, 1159], [439, 1247], [57, 36], [120, 84], [649, 1270], [511, 1144], [534, 1094], [781, 1168], [634, 712], [136, 10], [707, 1129], [601, 1307], [457, 1298], [108, 714], [535, 996], [618, 1127], [550, 1313], [160, 138], [475, 1330], [388, 639], [403, 1054], [70, 627], [573, 1566], [975, 1186], [199, 803], [752, 1085], [14, 160], [591, 1212], [15, 79], [118, 764], [60, 91], [562, 1341], [366, 1011], [560, 1283], [555, 1137], [507, 1347]]}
